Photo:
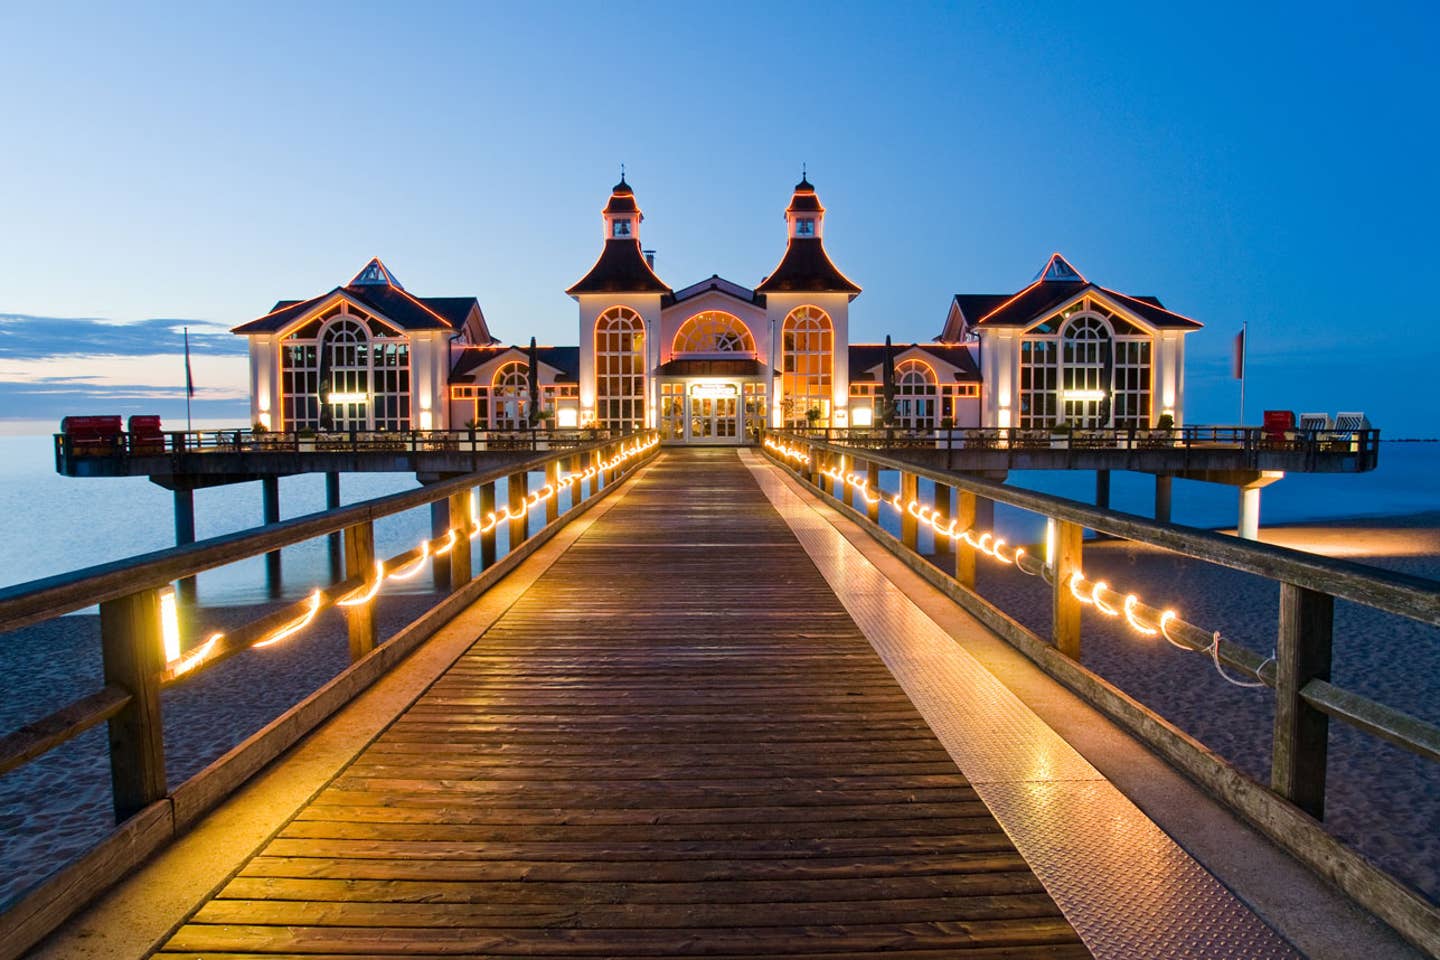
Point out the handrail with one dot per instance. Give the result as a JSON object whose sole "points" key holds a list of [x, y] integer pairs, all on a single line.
{"points": [[27, 603], [1409, 596], [148, 809], [1291, 809]]}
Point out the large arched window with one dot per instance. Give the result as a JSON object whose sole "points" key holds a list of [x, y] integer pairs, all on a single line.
{"points": [[808, 348], [916, 395], [620, 370], [510, 396], [345, 370], [713, 332], [1086, 364]]}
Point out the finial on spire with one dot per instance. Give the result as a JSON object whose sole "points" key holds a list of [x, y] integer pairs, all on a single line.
{"points": [[622, 171], [803, 174]]}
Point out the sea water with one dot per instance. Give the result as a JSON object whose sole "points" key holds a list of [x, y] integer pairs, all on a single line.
{"points": [[55, 524]]}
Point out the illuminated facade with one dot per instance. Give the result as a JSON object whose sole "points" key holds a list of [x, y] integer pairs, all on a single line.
{"points": [[716, 361]]}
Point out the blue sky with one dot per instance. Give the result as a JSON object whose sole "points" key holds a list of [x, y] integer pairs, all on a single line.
{"points": [[200, 161]]}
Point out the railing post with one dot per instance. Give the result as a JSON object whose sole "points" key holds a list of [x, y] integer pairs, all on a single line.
{"points": [[1302, 654], [944, 546], [487, 539], [552, 478], [131, 646], [517, 488], [1065, 563], [964, 553], [460, 553], [909, 524], [439, 529], [872, 483], [359, 546]]}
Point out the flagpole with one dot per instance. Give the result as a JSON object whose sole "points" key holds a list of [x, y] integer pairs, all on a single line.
{"points": [[1244, 348], [190, 384]]}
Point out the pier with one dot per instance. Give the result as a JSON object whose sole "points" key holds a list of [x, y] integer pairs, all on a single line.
{"points": [[715, 708]]}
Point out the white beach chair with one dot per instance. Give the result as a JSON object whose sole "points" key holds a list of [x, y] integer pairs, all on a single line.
{"points": [[1315, 421]]}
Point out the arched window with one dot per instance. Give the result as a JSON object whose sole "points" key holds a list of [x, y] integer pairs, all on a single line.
{"points": [[916, 393], [345, 371], [620, 370], [713, 332], [1087, 364], [510, 396], [808, 347]]}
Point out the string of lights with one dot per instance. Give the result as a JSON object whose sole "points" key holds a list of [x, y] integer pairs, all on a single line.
{"points": [[366, 593], [1144, 620]]}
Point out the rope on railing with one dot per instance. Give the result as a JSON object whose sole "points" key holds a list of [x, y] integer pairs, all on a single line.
{"points": [[1097, 594]]}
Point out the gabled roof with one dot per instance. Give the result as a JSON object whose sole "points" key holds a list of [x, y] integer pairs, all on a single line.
{"points": [[806, 268], [718, 284], [621, 268], [867, 356], [564, 359], [1055, 284]]}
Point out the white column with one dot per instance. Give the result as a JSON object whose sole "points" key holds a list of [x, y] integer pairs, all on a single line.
{"points": [[1249, 526]]}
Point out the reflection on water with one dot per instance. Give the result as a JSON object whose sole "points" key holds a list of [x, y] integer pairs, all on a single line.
{"points": [[58, 524]]}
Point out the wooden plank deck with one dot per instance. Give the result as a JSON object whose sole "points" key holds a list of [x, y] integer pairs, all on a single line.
{"points": [[675, 744]]}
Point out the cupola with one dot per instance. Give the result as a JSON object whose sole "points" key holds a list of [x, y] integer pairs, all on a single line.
{"points": [[622, 214]]}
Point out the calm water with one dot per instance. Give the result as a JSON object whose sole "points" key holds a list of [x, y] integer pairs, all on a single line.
{"points": [[57, 524]]}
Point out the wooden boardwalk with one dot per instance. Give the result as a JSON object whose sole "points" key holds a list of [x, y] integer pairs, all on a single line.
{"points": [[676, 743]]}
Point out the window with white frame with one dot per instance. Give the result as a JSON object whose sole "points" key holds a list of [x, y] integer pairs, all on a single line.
{"points": [[713, 332], [808, 357], [510, 396], [620, 370], [1086, 366], [345, 370], [916, 390]]}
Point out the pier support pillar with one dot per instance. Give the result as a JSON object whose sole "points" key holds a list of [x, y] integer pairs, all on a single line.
{"points": [[1249, 526], [1163, 485], [1102, 489], [270, 509], [185, 534], [439, 528], [984, 514], [332, 501], [487, 539], [944, 546]]}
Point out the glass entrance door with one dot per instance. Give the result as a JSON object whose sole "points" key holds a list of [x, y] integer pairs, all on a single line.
{"points": [[713, 417]]}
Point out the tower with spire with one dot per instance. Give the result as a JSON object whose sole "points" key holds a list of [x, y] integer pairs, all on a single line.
{"points": [[619, 302], [807, 290]]}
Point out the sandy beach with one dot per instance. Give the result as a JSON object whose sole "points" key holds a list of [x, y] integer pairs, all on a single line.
{"points": [[55, 808], [1380, 799]]}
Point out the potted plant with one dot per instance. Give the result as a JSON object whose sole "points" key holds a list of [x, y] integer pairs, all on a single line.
{"points": [[305, 440], [813, 415], [1060, 434]]}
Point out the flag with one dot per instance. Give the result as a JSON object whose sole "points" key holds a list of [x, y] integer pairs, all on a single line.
{"points": [[189, 379], [1238, 363]]}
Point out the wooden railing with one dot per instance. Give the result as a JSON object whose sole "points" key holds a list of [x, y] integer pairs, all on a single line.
{"points": [[1291, 807], [70, 447], [128, 592], [1362, 444]]}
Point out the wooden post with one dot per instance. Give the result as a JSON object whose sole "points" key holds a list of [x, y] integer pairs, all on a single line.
{"points": [[909, 525], [131, 646], [964, 553], [460, 572], [944, 546], [359, 545], [517, 488], [487, 539], [1302, 654], [1102, 489], [1065, 628], [552, 477], [872, 483], [1163, 487]]}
